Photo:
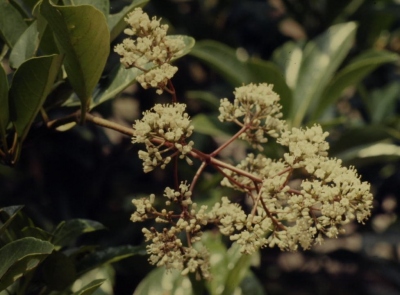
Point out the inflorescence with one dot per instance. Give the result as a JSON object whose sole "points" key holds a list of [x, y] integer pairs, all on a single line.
{"points": [[282, 212]]}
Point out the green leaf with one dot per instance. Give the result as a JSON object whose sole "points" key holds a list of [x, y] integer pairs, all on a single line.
{"points": [[158, 281], [7, 215], [109, 255], [12, 24], [26, 46], [206, 98], [90, 288], [4, 110], [67, 231], [352, 74], [121, 78], [82, 35], [383, 102], [116, 22], [21, 256], [102, 5], [251, 285], [208, 125], [36, 232], [58, 271], [321, 59], [30, 86], [223, 60]]}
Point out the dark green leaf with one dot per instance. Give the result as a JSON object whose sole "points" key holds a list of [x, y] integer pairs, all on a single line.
{"points": [[82, 35], [208, 125], [206, 99], [30, 86], [251, 285], [321, 58], [121, 78], [4, 110], [90, 288], [109, 255], [12, 24], [7, 215], [67, 232], [58, 271], [36, 232], [383, 102], [352, 74], [21, 256], [116, 22], [223, 60], [102, 5], [26, 46]]}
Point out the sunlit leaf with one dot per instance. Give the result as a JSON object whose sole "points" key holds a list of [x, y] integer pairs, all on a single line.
{"points": [[90, 288], [321, 58]]}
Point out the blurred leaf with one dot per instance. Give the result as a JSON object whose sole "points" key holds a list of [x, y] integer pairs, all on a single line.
{"points": [[67, 231], [251, 285], [109, 255], [158, 281], [82, 35], [352, 74], [224, 61], [30, 86], [12, 24], [102, 5], [289, 57], [383, 102], [116, 22], [359, 136], [208, 125], [21, 256], [4, 110], [58, 271], [228, 267], [90, 288], [321, 59], [206, 98], [121, 78], [26, 46], [7, 215]]}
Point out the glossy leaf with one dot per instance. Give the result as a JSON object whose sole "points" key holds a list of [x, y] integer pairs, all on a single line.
{"points": [[12, 24], [122, 78], [26, 46], [4, 110], [321, 59], [102, 5], [116, 22], [30, 86], [90, 288], [109, 255], [21, 256], [352, 74], [67, 231], [158, 281], [82, 35]]}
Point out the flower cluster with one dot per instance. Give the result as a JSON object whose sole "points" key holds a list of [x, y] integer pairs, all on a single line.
{"points": [[164, 126], [328, 197], [149, 46], [257, 108]]}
